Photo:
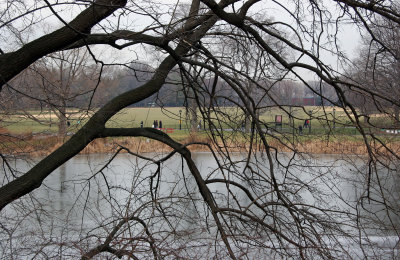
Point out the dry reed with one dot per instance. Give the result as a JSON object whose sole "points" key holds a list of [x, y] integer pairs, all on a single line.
{"points": [[41, 146]]}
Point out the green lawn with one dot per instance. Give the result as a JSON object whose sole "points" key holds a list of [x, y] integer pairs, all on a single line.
{"points": [[131, 117], [228, 117]]}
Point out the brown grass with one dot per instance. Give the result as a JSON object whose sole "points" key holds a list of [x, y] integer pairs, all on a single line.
{"points": [[3, 130], [41, 146]]}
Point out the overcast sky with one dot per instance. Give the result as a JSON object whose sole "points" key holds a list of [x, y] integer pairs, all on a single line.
{"points": [[348, 37]]}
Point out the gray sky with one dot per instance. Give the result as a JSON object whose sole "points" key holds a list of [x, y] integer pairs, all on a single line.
{"points": [[348, 37]]}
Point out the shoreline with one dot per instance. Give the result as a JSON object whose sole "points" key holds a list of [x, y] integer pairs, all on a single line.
{"points": [[43, 146]]}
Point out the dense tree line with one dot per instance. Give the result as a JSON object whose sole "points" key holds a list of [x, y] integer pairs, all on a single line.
{"points": [[23, 96]]}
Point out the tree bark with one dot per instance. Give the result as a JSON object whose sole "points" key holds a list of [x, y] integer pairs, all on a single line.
{"points": [[193, 116], [62, 123], [396, 114]]}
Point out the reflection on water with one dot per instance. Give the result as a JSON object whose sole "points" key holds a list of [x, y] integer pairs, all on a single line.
{"points": [[68, 188], [83, 195]]}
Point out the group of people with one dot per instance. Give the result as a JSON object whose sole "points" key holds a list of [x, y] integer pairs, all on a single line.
{"points": [[157, 124], [306, 125]]}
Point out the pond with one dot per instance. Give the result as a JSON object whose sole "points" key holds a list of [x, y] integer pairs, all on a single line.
{"points": [[82, 199]]}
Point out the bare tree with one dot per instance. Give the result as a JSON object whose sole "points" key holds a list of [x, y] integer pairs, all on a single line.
{"points": [[377, 67], [259, 203], [55, 83], [63, 90]]}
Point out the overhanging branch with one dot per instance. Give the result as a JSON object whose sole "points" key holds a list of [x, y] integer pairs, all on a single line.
{"points": [[13, 63], [184, 151]]}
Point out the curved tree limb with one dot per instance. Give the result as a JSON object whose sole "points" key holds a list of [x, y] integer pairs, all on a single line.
{"points": [[13, 63], [184, 151]]}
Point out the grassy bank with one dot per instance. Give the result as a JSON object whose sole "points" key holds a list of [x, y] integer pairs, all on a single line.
{"points": [[324, 136], [44, 145]]}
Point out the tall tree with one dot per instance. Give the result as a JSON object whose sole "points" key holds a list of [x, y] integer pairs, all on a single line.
{"points": [[57, 78], [377, 67]]}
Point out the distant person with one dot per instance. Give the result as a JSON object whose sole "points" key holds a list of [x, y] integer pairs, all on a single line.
{"points": [[141, 124], [306, 123], [300, 130], [160, 124], [156, 124]]}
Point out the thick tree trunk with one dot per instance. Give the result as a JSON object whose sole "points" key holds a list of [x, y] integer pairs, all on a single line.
{"points": [[396, 115], [62, 119], [193, 117], [247, 123], [364, 113], [62, 125]]}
